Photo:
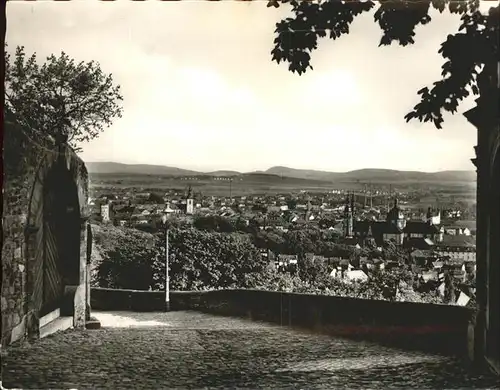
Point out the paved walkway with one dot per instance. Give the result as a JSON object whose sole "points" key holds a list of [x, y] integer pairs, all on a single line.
{"points": [[193, 350]]}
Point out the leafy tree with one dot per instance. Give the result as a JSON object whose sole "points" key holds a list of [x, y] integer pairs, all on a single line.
{"points": [[129, 258], [297, 36], [60, 98], [270, 240], [204, 260], [391, 251], [125, 257], [298, 242], [240, 224], [214, 223], [330, 249], [312, 270], [156, 198], [327, 222], [292, 204], [449, 288]]}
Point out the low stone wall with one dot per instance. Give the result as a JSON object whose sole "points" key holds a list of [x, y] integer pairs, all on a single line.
{"points": [[438, 328]]}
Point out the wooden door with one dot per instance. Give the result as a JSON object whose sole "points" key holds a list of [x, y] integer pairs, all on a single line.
{"points": [[52, 280]]}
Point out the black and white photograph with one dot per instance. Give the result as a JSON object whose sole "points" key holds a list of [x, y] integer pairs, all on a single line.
{"points": [[250, 194]]}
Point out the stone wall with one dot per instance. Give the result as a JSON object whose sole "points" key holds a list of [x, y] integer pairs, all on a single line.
{"points": [[25, 164], [21, 158], [14, 294], [438, 328], [485, 117]]}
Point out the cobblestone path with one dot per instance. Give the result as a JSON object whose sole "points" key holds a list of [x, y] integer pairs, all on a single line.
{"points": [[193, 350]]}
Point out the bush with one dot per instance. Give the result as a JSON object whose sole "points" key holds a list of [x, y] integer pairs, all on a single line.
{"points": [[125, 257], [200, 260], [203, 260]]}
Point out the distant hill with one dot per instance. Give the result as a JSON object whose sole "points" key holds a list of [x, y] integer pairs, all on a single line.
{"points": [[136, 169], [223, 173], [303, 173], [376, 175], [279, 173]]}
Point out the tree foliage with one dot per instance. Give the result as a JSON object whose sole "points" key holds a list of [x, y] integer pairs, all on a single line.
{"points": [[155, 197], [200, 260], [125, 257], [129, 258], [214, 223], [60, 98], [474, 45], [203, 260]]}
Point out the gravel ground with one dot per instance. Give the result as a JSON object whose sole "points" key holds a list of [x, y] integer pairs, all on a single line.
{"points": [[193, 350]]}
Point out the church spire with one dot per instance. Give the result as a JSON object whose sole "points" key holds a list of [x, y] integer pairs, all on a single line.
{"points": [[348, 215], [189, 201]]}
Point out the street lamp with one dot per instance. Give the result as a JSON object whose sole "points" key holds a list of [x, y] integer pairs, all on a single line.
{"points": [[167, 277]]}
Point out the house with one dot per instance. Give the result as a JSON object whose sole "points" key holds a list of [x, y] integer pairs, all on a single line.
{"points": [[345, 265], [357, 275], [393, 232], [433, 217], [288, 259], [457, 247], [378, 264], [140, 219], [106, 212], [462, 299], [366, 264], [422, 257], [426, 276], [418, 243], [438, 264], [457, 271], [421, 229], [457, 230], [418, 234]]}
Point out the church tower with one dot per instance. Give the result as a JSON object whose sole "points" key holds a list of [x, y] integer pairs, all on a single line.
{"points": [[348, 216], [189, 201], [396, 216], [428, 217], [433, 217], [308, 209]]}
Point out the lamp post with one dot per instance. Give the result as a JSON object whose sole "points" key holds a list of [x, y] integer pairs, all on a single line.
{"points": [[167, 277]]}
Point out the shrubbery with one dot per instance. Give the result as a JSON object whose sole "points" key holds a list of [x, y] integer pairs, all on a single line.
{"points": [[201, 260], [130, 258], [124, 257]]}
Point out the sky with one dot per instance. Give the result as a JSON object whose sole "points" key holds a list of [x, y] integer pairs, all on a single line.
{"points": [[201, 92]]}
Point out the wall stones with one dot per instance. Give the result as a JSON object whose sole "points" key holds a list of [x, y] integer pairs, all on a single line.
{"points": [[23, 184], [15, 206]]}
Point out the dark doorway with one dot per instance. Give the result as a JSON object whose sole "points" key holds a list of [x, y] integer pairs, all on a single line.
{"points": [[61, 237]]}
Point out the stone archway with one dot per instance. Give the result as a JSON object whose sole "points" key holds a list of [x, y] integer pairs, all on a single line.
{"points": [[56, 242]]}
